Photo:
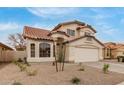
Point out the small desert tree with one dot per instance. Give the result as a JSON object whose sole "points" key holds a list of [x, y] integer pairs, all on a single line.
{"points": [[60, 57], [17, 41]]}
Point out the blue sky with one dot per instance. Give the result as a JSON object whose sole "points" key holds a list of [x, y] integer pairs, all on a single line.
{"points": [[108, 22]]}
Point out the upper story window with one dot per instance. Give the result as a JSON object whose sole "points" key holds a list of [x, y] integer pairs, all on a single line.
{"points": [[71, 32], [87, 33], [44, 50], [32, 50]]}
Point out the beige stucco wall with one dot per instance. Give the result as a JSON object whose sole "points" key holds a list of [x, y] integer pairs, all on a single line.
{"points": [[84, 44], [70, 50], [56, 35], [118, 52], [68, 26], [107, 55], [82, 31], [37, 58], [73, 27]]}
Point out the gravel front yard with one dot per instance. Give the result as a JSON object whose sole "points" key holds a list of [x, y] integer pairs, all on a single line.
{"points": [[47, 75]]}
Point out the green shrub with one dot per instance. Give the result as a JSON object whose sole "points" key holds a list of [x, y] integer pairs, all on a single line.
{"points": [[14, 62], [22, 66], [17, 83], [31, 72], [20, 60], [75, 80], [105, 68]]}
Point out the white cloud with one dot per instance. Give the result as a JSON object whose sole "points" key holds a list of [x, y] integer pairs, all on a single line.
{"points": [[101, 13], [106, 28], [111, 31], [52, 12], [8, 26]]}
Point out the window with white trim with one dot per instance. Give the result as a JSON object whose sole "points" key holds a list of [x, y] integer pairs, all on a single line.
{"points": [[32, 47], [87, 34], [71, 32], [44, 50]]}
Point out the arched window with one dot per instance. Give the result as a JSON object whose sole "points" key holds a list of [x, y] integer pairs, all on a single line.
{"points": [[44, 50], [32, 50]]}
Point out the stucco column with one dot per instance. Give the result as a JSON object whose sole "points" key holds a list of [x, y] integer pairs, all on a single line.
{"points": [[37, 50], [51, 50], [28, 49]]}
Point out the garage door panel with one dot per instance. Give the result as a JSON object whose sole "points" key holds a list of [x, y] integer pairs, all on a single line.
{"points": [[86, 55]]}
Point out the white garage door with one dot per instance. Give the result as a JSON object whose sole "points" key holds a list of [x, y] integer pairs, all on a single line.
{"points": [[86, 55]]}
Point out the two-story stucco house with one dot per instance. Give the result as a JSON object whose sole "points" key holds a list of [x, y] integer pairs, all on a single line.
{"points": [[79, 38]]}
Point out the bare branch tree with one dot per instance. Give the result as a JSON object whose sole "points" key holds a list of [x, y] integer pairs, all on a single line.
{"points": [[17, 41]]}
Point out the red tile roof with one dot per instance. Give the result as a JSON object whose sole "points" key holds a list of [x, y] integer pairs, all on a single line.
{"points": [[36, 33], [113, 45]]}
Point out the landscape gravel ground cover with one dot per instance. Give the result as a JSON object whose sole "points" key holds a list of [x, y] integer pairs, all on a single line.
{"points": [[47, 75]]}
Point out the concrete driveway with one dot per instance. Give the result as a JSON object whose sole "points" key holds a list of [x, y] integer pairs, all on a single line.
{"points": [[115, 66]]}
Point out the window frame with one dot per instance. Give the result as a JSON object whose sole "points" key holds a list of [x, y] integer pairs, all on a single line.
{"points": [[32, 52], [71, 32], [87, 34], [107, 54], [44, 50]]}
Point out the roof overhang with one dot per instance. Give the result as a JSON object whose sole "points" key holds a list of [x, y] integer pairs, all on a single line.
{"points": [[84, 37], [5, 46], [66, 23]]}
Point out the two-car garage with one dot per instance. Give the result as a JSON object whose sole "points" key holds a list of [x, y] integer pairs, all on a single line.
{"points": [[82, 50], [86, 55]]}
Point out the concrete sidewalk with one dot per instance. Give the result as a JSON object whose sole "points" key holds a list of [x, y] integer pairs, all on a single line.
{"points": [[114, 67]]}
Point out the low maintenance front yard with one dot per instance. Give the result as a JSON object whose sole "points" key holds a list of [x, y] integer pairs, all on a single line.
{"points": [[46, 74]]}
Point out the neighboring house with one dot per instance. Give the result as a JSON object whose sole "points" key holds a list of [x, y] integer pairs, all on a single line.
{"points": [[113, 50], [79, 38], [4, 48]]}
